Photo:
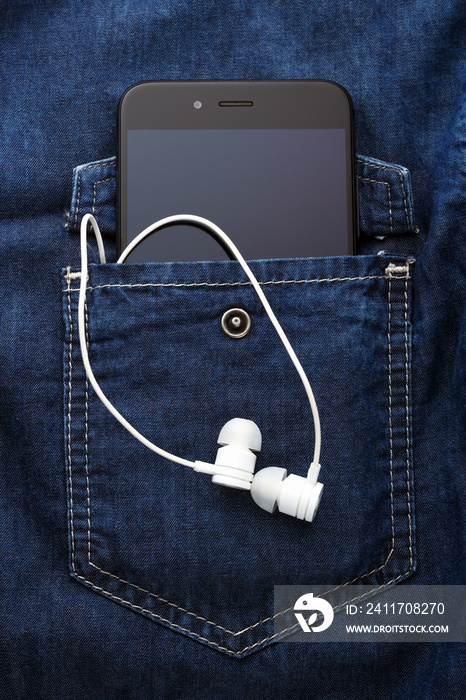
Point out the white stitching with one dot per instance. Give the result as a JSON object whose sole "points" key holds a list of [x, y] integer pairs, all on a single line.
{"points": [[86, 449], [218, 646], [236, 284], [383, 182], [68, 276], [88, 167], [70, 472], [408, 475], [408, 445], [390, 404], [400, 175], [184, 629], [97, 182], [390, 276]]}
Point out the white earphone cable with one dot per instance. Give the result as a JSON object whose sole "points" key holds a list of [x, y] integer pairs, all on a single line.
{"points": [[219, 234]]}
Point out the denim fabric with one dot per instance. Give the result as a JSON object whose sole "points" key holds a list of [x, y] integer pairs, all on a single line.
{"points": [[157, 347], [103, 594]]}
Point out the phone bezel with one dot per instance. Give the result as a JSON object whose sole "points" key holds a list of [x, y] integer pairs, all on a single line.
{"points": [[275, 104]]}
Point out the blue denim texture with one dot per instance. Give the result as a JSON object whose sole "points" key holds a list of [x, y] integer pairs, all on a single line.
{"points": [[103, 594], [154, 331]]}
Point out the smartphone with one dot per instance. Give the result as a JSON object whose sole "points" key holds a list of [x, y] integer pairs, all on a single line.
{"points": [[269, 162]]}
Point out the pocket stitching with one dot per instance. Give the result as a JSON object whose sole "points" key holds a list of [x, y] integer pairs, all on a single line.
{"points": [[95, 165], [386, 167], [389, 275], [94, 188], [77, 275], [389, 195]]}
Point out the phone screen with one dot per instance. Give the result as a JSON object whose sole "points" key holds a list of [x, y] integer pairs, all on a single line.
{"points": [[276, 192]]}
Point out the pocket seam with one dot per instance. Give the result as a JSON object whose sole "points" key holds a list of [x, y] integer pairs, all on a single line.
{"points": [[390, 274], [78, 197], [94, 187], [389, 195], [386, 167], [77, 275]]}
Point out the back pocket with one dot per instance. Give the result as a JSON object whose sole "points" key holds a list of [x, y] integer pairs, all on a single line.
{"points": [[201, 559]]}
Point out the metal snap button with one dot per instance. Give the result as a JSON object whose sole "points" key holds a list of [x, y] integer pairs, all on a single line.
{"points": [[236, 323]]}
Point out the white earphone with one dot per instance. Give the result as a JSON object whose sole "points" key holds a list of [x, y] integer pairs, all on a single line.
{"points": [[239, 439]]}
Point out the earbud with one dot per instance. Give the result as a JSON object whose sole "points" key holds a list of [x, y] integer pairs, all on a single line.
{"points": [[293, 495], [270, 488], [235, 462]]}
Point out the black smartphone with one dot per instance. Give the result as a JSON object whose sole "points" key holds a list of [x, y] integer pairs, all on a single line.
{"points": [[269, 162]]}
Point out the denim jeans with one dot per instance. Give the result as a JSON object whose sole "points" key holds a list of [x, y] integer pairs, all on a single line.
{"points": [[124, 575]]}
